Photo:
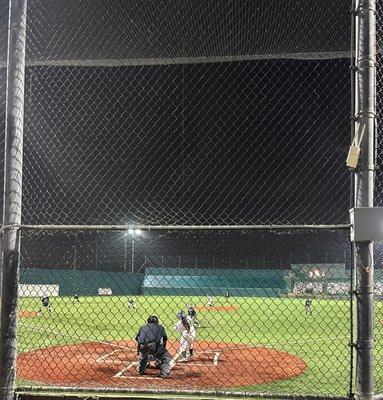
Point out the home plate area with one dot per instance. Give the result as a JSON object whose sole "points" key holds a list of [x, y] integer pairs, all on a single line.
{"points": [[114, 364]]}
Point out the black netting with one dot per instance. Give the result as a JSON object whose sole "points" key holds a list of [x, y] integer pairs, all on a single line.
{"points": [[235, 143], [67, 30]]}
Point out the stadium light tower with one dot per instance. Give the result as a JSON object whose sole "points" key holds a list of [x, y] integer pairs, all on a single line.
{"points": [[133, 233]]}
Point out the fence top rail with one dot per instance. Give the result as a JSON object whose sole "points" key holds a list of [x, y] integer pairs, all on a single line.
{"points": [[128, 62], [172, 227]]}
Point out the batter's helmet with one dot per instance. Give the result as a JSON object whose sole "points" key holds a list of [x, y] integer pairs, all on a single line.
{"points": [[152, 320], [181, 315]]}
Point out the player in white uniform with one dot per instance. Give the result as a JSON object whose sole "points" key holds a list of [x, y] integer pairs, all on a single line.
{"points": [[188, 333], [131, 303], [209, 301]]}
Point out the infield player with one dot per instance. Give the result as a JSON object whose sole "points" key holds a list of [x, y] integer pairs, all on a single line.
{"points": [[188, 334], [209, 301], [45, 302], [309, 306], [192, 313]]}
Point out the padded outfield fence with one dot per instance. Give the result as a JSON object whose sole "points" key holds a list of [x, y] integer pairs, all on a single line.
{"points": [[161, 156]]}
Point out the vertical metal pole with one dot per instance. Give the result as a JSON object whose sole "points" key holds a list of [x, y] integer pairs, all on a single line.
{"points": [[75, 259], [96, 256], [125, 250], [12, 195], [132, 266], [364, 191]]}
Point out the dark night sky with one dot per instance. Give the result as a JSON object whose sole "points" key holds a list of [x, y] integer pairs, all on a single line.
{"points": [[250, 142], [236, 143]]}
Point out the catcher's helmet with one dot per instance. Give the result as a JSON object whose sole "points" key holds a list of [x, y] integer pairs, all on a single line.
{"points": [[181, 315], [152, 320]]}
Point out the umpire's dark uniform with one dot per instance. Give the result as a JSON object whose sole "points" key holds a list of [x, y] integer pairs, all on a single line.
{"points": [[152, 339]]}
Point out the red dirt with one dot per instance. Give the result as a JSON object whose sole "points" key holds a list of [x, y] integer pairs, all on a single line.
{"points": [[94, 365], [27, 314], [216, 308]]}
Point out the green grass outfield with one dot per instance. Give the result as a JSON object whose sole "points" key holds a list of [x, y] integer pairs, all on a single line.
{"points": [[320, 339]]}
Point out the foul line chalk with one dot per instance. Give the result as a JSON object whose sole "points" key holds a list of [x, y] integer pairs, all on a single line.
{"points": [[139, 377], [119, 374], [107, 355], [216, 358]]}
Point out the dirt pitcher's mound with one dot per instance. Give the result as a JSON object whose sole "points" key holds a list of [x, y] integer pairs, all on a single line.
{"points": [[216, 308], [114, 365]]}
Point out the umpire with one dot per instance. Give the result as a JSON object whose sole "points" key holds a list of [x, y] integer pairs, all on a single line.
{"points": [[152, 340]]}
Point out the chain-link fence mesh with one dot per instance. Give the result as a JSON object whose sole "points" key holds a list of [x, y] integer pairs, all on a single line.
{"points": [[379, 196], [188, 144], [271, 309], [379, 105], [111, 139], [187, 113], [3, 73]]}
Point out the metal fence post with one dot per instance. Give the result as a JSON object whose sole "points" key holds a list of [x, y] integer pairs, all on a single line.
{"points": [[12, 194], [364, 190]]}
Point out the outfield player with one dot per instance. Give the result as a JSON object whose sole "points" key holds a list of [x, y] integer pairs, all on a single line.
{"points": [[309, 306], [151, 339], [45, 302], [131, 303], [188, 334], [209, 301]]}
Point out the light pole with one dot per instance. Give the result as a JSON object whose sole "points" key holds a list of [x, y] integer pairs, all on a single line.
{"points": [[133, 233], [75, 258], [125, 248]]}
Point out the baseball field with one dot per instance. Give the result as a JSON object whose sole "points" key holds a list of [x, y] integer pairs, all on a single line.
{"points": [[252, 344]]}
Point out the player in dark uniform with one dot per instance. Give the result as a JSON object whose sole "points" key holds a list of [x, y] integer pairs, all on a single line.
{"points": [[309, 306], [45, 305], [192, 313], [227, 295], [151, 339], [76, 297]]}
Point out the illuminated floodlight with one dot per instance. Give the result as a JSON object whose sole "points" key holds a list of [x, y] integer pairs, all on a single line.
{"points": [[131, 231], [137, 231]]}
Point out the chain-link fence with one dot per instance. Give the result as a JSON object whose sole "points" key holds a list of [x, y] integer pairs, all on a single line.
{"points": [[379, 191], [191, 124], [269, 311]]}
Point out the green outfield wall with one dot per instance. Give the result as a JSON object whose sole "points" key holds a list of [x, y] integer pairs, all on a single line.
{"points": [[85, 283], [203, 281], [301, 279]]}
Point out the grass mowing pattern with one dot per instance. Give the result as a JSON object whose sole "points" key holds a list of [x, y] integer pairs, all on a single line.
{"points": [[320, 339]]}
